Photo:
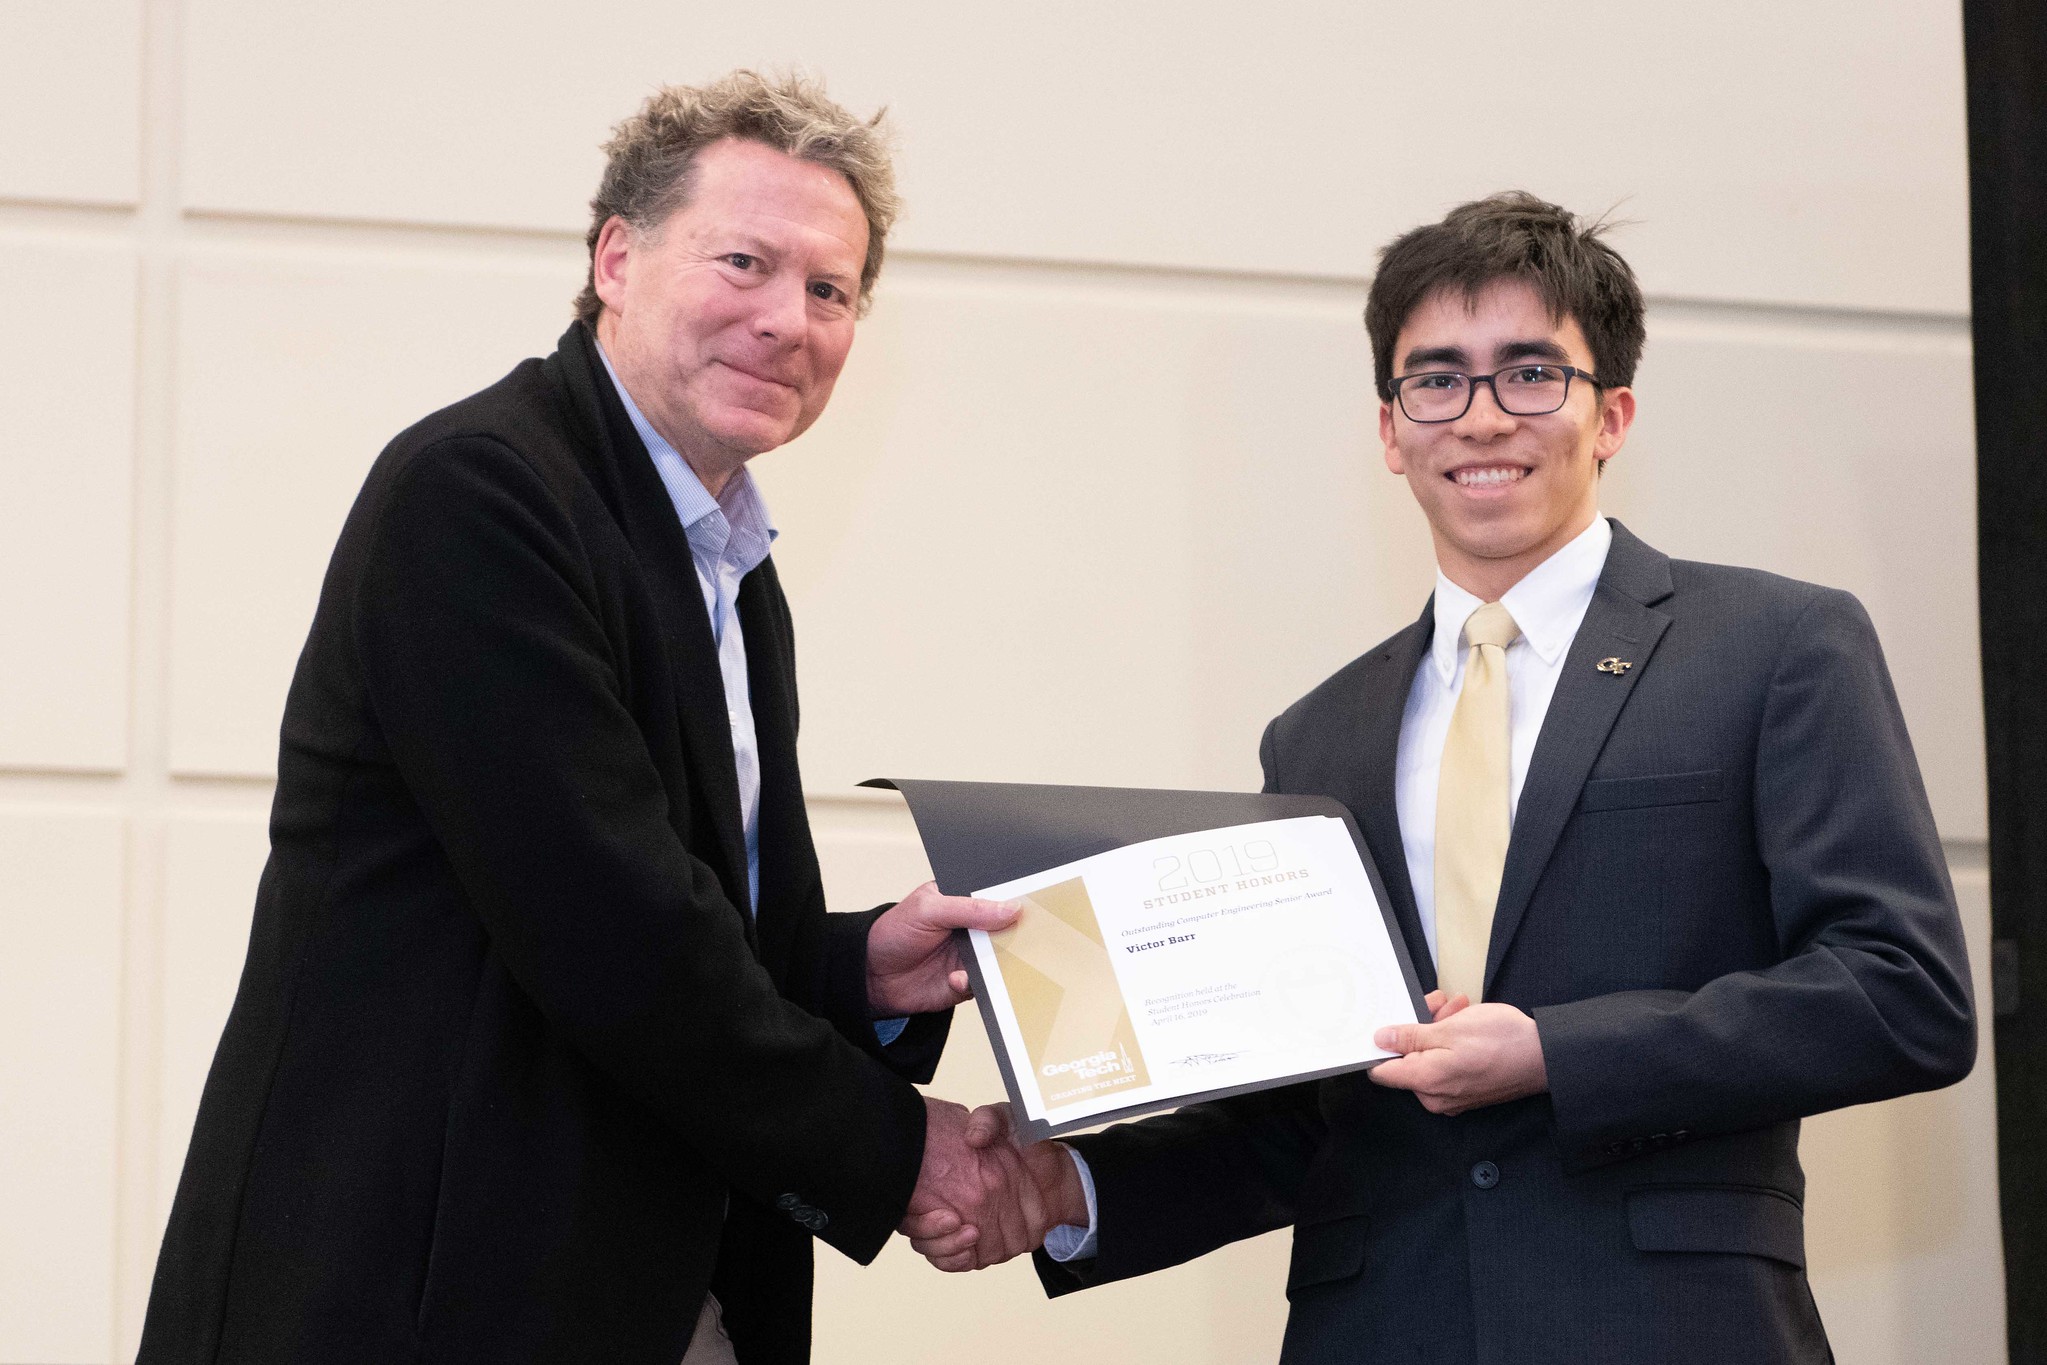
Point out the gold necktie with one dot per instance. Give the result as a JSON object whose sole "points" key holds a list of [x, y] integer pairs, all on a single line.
{"points": [[1473, 819]]}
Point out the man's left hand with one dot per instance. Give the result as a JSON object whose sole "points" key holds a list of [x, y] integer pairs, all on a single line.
{"points": [[1468, 1058], [913, 958]]}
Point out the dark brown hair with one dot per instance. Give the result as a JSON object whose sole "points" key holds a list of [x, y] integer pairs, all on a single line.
{"points": [[1512, 236]]}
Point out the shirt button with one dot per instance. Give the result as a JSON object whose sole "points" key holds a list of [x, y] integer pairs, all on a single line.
{"points": [[1485, 1175]]}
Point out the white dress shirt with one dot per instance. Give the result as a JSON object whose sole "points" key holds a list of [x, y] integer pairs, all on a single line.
{"points": [[1548, 605]]}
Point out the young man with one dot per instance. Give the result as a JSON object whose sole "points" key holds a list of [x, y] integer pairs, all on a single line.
{"points": [[1658, 822]]}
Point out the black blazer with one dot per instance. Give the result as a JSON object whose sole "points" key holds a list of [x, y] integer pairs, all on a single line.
{"points": [[510, 1075], [1725, 905]]}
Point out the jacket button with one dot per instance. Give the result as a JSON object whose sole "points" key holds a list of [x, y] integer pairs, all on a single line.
{"points": [[1485, 1175], [815, 1219], [787, 1203]]}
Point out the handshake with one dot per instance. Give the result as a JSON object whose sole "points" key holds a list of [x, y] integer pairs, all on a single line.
{"points": [[982, 1197]]}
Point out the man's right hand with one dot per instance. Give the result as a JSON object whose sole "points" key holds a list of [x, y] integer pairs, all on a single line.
{"points": [[1029, 1191], [962, 1186]]}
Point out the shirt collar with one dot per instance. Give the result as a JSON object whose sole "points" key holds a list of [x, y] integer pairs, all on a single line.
{"points": [[1548, 603], [736, 520]]}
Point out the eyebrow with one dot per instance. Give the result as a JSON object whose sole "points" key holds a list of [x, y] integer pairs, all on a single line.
{"points": [[751, 243], [1507, 352], [1454, 356]]}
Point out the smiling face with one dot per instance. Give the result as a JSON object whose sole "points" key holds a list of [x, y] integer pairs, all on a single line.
{"points": [[729, 324], [1501, 493]]}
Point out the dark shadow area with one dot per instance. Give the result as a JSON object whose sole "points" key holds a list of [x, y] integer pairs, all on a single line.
{"points": [[2006, 46]]}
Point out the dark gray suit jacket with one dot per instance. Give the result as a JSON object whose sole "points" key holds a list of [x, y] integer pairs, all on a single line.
{"points": [[1726, 907]]}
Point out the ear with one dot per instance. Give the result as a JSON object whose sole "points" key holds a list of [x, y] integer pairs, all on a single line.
{"points": [[610, 260], [1389, 438], [1616, 417]]}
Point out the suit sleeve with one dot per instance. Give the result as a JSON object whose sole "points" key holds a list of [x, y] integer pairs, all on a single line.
{"points": [[842, 996], [1871, 998], [1171, 1188], [480, 631]]}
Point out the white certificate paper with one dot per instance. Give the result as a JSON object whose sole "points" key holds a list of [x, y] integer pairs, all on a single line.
{"points": [[1188, 967]]}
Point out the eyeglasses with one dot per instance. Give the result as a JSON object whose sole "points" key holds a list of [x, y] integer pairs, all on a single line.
{"points": [[1520, 390]]}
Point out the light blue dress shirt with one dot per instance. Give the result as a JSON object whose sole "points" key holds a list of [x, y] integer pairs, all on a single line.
{"points": [[729, 536]]}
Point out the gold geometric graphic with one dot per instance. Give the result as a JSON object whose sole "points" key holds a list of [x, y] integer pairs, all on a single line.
{"points": [[1076, 1030]]}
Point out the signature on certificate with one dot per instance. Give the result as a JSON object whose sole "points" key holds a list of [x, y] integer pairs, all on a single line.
{"points": [[1206, 1058]]}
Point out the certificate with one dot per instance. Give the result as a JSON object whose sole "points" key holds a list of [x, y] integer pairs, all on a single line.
{"points": [[1147, 974]]}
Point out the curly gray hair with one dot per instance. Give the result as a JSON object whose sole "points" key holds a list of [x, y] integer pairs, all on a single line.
{"points": [[647, 173]]}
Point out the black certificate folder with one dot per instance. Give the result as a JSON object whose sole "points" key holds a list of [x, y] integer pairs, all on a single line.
{"points": [[985, 834]]}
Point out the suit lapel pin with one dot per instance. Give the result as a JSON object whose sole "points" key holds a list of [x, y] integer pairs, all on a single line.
{"points": [[1613, 666]]}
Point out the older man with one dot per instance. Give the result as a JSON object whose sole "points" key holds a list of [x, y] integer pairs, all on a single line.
{"points": [[546, 1048]]}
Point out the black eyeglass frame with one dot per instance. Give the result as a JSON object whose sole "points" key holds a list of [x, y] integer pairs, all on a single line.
{"points": [[1472, 381]]}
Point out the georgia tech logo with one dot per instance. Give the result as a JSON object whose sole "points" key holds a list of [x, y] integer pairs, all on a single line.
{"points": [[1096, 1064]]}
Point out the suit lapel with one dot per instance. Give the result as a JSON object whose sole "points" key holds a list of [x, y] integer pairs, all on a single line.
{"points": [[1619, 624], [640, 502], [1381, 702], [789, 875]]}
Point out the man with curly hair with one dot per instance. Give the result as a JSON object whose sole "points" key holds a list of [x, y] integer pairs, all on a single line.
{"points": [[545, 1048]]}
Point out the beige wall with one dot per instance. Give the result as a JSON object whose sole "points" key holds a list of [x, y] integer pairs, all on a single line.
{"points": [[1113, 405]]}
